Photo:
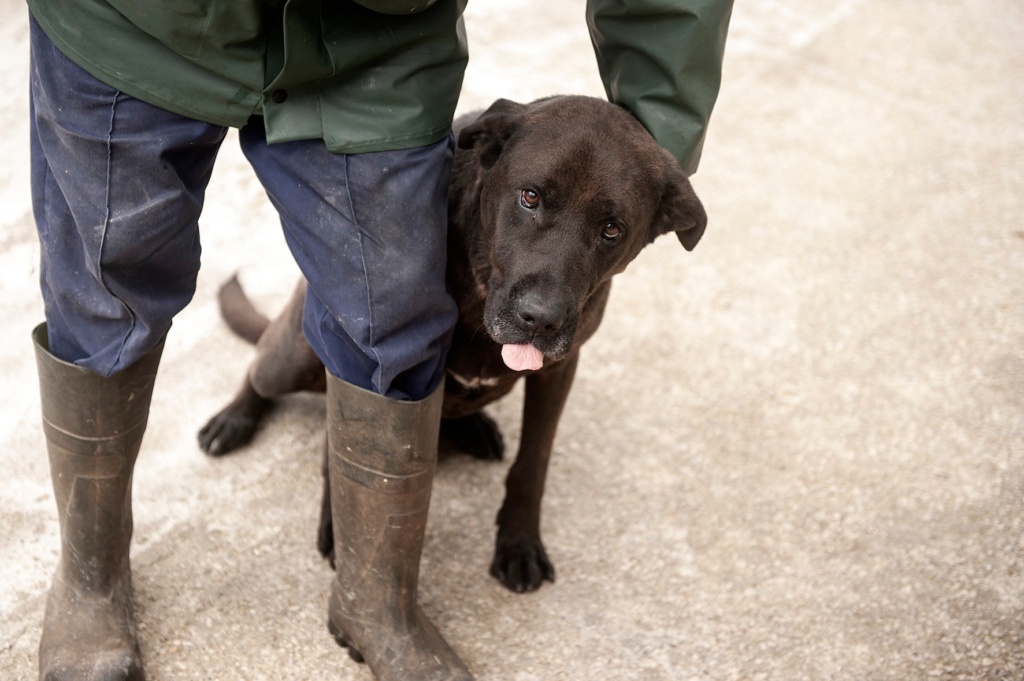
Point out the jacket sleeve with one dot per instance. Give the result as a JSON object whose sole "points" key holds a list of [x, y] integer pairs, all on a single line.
{"points": [[662, 60]]}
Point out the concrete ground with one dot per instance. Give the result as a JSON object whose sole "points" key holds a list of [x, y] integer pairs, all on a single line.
{"points": [[796, 453]]}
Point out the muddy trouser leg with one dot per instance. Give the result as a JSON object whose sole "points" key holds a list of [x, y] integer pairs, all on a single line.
{"points": [[368, 231], [117, 187]]}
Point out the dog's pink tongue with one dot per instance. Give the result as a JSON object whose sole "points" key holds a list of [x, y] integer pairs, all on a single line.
{"points": [[522, 357]]}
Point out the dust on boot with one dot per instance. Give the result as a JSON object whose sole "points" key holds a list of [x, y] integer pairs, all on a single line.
{"points": [[93, 427], [382, 457]]}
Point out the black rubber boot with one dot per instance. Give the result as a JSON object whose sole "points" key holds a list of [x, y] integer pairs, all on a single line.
{"points": [[93, 427], [382, 456]]}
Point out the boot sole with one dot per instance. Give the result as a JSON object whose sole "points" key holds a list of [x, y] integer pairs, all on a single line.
{"points": [[339, 638]]}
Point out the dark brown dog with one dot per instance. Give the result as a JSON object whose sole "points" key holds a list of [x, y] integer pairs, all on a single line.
{"points": [[548, 201]]}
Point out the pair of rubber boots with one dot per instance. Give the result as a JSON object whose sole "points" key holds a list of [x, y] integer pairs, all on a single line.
{"points": [[382, 459]]}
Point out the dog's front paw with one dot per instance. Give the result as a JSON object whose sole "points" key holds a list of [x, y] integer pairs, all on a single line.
{"points": [[476, 434], [522, 565], [236, 423], [225, 432]]}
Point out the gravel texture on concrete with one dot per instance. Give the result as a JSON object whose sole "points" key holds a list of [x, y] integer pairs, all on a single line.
{"points": [[796, 453]]}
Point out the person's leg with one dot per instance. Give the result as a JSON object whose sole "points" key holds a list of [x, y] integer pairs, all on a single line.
{"points": [[369, 232], [117, 186], [93, 427]]}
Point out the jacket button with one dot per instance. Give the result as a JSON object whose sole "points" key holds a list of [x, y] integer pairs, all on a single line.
{"points": [[279, 96]]}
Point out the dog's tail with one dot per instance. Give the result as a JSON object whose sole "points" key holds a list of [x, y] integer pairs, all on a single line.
{"points": [[239, 313]]}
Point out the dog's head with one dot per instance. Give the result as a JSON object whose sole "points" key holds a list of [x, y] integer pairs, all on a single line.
{"points": [[573, 188]]}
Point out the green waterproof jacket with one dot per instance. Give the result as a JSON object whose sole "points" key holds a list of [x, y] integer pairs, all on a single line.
{"points": [[365, 81]]}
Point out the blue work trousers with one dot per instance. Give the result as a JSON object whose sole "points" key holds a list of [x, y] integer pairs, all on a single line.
{"points": [[118, 187]]}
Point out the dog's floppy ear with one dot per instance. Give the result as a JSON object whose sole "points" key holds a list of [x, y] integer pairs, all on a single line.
{"points": [[680, 210], [491, 130]]}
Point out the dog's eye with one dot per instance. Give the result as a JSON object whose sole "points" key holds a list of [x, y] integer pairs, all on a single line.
{"points": [[529, 199], [612, 232]]}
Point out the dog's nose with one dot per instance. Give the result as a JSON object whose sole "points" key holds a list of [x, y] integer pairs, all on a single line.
{"points": [[540, 316]]}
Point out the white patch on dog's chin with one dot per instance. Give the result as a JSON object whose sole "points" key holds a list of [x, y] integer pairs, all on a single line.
{"points": [[473, 383]]}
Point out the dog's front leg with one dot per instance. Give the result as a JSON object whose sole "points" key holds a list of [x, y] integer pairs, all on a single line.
{"points": [[234, 425], [325, 531], [520, 561], [284, 363]]}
